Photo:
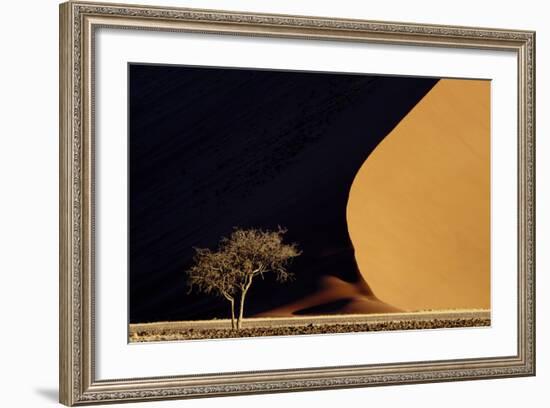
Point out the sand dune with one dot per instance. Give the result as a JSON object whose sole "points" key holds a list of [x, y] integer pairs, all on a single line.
{"points": [[419, 213], [334, 296], [419, 208]]}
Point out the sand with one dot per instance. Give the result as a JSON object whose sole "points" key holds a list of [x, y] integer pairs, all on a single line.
{"points": [[334, 296], [419, 213], [254, 327], [419, 208]]}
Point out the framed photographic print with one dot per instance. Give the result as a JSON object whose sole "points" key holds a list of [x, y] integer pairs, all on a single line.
{"points": [[261, 203]]}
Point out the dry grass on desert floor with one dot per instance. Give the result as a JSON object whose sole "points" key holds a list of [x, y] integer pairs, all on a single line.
{"points": [[253, 327]]}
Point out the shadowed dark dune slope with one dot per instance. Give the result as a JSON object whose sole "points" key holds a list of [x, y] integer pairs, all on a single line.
{"points": [[211, 149]]}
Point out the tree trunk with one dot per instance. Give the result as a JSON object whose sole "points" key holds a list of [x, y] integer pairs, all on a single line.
{"points": [[232, 313], [241, 310], [243, 296]]}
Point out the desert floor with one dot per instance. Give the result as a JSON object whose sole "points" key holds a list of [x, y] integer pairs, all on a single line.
{"points": [[273, 326]]}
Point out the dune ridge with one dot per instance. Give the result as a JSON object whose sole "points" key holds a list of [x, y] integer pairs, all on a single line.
{"points": [[335, 296], [418, 214]]}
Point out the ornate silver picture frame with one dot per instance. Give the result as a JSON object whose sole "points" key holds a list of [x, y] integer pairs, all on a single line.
{"points": [[79, 24]]}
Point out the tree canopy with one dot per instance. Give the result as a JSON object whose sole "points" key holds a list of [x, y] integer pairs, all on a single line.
{"points": [[230, 270]]}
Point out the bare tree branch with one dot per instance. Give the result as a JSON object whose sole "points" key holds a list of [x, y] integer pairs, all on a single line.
{"points": [[245, 254]]}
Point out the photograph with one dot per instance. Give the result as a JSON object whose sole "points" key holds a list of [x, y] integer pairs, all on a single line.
{"points": [[274, 201], [274, 204], [267, 202]]}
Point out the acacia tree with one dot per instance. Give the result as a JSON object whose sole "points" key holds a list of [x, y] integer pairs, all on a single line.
{"points": [[212, 273], [241, 257]]}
